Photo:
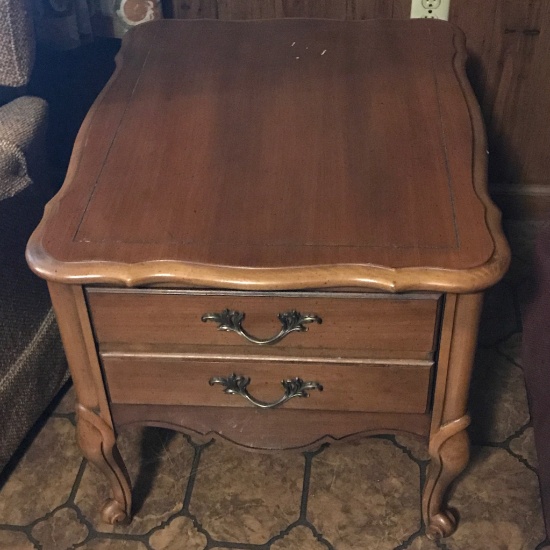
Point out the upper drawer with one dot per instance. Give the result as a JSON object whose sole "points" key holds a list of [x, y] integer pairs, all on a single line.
{"points": [[352, 324]]}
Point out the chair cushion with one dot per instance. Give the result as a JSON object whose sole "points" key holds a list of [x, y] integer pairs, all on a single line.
{"points": [[16, 43], [22, 125]]}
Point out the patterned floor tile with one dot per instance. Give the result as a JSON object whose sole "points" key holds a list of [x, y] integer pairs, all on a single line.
{"points": [[247, 497], [423, 543], [14, 540], [498, 400], [417, 447], [67, 402], [179, 533], [365, 495], [511, 348], [159, 463], [44, 477], [299, 538], [59, 531], [499, 504], [524, 446], [113, 544]]}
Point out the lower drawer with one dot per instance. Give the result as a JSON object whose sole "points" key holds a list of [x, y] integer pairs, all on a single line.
{"points": [[396, 387]]}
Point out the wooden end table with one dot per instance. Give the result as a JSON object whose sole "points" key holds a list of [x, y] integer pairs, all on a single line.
{"points": [[277, 233]]}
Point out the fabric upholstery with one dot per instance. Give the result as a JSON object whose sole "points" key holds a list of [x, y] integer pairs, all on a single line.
{"points": [[16, 43], [22, 128], [32, 364]]}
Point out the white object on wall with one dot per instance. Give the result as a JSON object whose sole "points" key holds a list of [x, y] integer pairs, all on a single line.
{"points": [[430, 9]]}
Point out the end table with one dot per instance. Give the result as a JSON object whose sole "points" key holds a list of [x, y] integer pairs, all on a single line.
{"points": [[279, 233]]}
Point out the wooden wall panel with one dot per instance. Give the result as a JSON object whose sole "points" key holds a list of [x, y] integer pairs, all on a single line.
{"points": [[245, 9], [401, 9], [509, 45], [191, 9], [264, 9], [509, 66]]}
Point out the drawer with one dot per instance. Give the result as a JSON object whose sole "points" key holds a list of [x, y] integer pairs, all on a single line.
{"points": [[398, 388], [352, 323]]}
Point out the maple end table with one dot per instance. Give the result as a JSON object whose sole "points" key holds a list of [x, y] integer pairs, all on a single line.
{"points": [[277, 233]]}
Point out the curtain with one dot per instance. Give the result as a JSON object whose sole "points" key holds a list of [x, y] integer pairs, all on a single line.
{"points": [[66, 24]]}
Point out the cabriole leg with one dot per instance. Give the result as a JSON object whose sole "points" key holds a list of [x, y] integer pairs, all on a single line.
{"points": [[449, 445], [97, 442], [449, 452]]}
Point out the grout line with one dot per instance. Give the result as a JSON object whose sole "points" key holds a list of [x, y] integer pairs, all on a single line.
{"points": [[408, 542], [308, 458], [319, 536], [236, 545], [16, 528], [100, 535], [187, 515], [77, 481], [193, 473], [34, 541], [522, 460], [403, 448]]}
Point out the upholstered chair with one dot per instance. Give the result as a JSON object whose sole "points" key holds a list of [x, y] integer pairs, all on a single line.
{"points": [[32, 363]]}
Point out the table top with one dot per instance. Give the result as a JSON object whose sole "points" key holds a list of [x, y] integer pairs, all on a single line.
{"points": [[280, 154]]}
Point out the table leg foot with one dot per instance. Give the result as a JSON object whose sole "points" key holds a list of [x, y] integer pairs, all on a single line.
{"points": [[97, 442], [441, 525], [112, 512], [449, 451]]}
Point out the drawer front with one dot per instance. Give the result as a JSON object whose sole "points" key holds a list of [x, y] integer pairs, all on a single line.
{"points": [[361, 323], [398, 388]]}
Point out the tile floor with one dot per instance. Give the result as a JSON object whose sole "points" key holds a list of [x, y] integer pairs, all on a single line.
{"points": [[354, 496]]}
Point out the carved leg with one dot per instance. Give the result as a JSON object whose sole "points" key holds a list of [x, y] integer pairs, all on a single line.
{"points": [[97, 442], [449, 452], [449, 445]]}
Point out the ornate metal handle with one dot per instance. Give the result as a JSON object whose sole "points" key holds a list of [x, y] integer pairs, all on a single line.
{"points": [[235, 384], [291, 321]]}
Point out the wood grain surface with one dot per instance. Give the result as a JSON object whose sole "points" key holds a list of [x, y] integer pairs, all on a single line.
{"points": [[508, 46], [280, 154], [268, 429], [368, 388], [351, 322]]}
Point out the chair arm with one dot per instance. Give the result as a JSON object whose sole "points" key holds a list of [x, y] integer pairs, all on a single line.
{"points": [[22, 124]]}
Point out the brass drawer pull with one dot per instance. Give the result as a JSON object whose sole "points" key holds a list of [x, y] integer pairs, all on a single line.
{"points": [[235, 384], [291, 321]]}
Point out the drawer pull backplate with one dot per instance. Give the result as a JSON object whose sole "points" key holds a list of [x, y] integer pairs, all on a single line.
{"points": [[291, 321], [235, 384]]}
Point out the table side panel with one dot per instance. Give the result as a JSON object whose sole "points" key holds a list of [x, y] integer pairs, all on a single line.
{"points": [[268, 429]]}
